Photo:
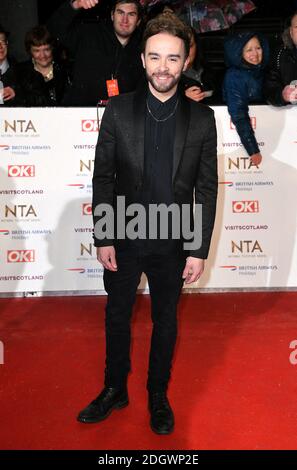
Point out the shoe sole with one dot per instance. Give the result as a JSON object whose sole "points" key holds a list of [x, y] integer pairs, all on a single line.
{"points": [[163, 433], [117, 406]]}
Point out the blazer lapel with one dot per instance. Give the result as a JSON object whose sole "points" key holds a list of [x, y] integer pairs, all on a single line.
{"points": [[182, 124], [139, 111]]}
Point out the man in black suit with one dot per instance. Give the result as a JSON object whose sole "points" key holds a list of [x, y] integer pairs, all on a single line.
{"points": [[155, 148]]}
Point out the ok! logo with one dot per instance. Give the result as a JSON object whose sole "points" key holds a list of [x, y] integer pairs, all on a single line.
{"points": [[21, 256]]}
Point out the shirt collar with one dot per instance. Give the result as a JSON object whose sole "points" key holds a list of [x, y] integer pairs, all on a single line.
{"points": [[4, 66], [156, 105]]}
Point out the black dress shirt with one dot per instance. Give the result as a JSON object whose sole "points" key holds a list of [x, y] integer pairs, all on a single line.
{"points": [[157, 187]]}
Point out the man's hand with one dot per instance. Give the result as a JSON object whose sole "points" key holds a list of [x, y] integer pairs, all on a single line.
{"points": [[195, 93], [85, 4], [193, 269], [106, 256], [256, 159], [290, 94], [8, 93]]}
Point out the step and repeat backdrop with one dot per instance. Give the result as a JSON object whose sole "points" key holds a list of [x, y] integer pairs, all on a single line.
{"points": [[46, 165]]}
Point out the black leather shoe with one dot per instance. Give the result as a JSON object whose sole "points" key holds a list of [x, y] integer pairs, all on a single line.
{"points": [[109, 399], [162, 418]]}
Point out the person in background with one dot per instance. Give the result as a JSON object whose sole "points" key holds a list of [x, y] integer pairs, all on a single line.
{"points": [[280, 85], [42, 80], [7, 73], [246, 56], [106, 55], [197, 80]]}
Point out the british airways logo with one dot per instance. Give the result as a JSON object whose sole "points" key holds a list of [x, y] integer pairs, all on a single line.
{"points": [[76, 185], [77, 270], [227, 183], [230, 268]]}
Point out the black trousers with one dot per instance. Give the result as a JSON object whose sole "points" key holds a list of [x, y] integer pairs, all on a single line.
{"points": [[164, 274]]}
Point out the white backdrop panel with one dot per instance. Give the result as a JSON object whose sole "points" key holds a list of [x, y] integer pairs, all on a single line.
{"points": [[46, 165]]}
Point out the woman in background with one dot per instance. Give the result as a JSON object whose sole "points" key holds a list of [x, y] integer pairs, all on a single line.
{"points": [[43, 80], [197, 80], [246, 56]]}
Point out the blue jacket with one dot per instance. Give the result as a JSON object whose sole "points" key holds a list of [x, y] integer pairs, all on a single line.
{"points": [[243, 85]]}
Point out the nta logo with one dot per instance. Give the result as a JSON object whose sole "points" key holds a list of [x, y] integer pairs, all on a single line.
{"points": [[20, 210], [86, 249], [240, 163], [87, 165], [246, 246], [21, 126]]}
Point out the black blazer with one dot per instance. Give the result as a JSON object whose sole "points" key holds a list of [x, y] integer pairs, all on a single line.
{"points": [[119, 161]]}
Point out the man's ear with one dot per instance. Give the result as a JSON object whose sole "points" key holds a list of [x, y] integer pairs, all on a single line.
{"points": [[143, 61], [112, 15]]}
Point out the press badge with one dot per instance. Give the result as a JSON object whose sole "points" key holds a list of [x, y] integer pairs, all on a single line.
{"points": [[112, 87]]}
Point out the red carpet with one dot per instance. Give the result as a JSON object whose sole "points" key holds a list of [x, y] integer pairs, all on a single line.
{"points": [[233, 385]]}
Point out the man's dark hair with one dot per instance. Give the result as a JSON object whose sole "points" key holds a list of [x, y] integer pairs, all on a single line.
{"points": [[167, 22], [3, 31], [134, 2], [292, 16], [288, 20], [38, 36]]}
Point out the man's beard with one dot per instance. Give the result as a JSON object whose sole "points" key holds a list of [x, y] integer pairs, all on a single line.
{"points": [[163, 87]]}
